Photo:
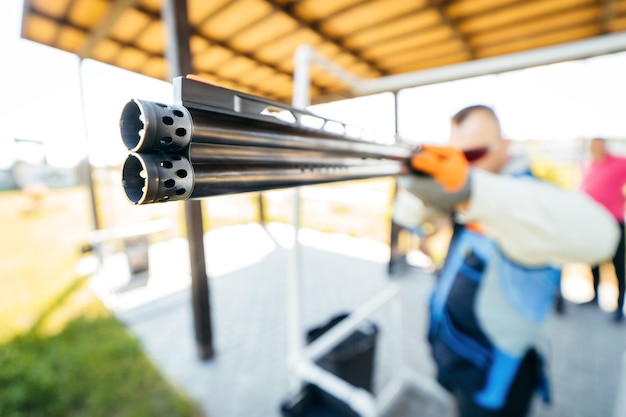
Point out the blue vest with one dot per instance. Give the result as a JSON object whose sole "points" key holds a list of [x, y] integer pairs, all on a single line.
{"points": [[467, 358]]}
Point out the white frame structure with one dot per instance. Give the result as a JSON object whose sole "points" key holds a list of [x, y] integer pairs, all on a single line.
{"points": [[301, 358]]}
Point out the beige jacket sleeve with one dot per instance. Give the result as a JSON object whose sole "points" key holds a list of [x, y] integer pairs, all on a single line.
{"points": [[410, 212], [535, 223]]}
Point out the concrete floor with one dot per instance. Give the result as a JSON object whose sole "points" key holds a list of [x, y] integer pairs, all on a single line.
{"points": [[248, 266]]}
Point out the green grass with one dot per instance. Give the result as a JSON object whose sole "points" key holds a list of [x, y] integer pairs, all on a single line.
{"points": [[61, 351], [93, 367]]}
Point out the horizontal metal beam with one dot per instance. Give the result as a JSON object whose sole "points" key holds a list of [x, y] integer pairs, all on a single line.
{"points": [[600, 45]]}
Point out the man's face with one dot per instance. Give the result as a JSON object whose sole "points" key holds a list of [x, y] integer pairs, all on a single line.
{"points": [[479, 135]]}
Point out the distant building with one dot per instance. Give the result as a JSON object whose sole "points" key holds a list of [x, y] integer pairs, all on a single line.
{"points": [[25, 173], [30, 166], [6, 180]]}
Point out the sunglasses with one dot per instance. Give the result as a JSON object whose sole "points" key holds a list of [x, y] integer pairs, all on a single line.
{"points": [[476, 153]]}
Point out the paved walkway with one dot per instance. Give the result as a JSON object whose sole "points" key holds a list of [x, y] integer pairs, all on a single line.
{"points": [[248, 376]]}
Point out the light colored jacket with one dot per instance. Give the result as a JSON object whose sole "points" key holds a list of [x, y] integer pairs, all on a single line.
{"points": [[534, 223]]}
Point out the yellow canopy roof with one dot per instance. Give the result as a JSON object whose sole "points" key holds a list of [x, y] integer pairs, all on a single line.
{"points": [[248, 45]]}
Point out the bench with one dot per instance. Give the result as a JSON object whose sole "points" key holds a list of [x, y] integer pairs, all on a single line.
{"points": [[135, 241]]}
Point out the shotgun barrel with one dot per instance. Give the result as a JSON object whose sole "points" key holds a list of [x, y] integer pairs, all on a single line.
{"points": [[218, 141]]}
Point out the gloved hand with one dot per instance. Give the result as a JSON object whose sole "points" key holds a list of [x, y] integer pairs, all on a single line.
{"points": [[447, 183], [447, 165]]}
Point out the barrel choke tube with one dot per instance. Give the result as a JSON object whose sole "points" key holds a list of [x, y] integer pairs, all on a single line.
{"points": [[158, 177], [147, 126]]}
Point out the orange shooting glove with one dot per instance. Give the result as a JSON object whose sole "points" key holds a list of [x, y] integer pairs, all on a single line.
{"points": [[447, 165]]}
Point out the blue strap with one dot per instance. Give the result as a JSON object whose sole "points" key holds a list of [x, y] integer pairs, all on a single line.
{"points": [[464, 345], [465, 241], [470, 273], [499, 379]]}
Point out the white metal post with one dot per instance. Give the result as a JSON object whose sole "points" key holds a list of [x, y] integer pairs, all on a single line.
{"points": [[301, 99]]}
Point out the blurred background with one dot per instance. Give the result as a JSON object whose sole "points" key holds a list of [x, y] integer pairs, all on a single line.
{"points": [[59, 116]]}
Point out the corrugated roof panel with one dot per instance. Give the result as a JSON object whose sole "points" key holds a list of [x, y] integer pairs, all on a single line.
{"points": [[323, 78], [131, 58], [432, 63], [41, 29], [56, 9], [465, 8], [156, 67], [344, 58], [88, 13], [284, 48], [198, 44], [237, 16], [152, 38], [314, 10], [364, 70], [331, 89], [420, 39], [451, 47], [328, 49], [129, 25], [234, 67], [259, 35], [399, 27], [199, 10], [368, 14], [105, 50], [211, 58], [285, 65], [349, 62], [618, 24], [369, 38], [258, 74], [155, 5], [536, 26], [70, 38], [529, 42], [617, 13], [279, 82], [520, 12]]}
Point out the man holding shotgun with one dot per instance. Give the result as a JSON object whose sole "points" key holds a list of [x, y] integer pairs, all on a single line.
{"points": [[512, 232]]}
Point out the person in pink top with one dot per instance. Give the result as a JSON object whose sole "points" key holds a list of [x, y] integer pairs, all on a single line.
{"points": [[604, 179]]}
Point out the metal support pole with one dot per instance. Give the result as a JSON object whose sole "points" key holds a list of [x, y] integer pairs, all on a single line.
{"points": [[296, 342], [395, 257], [261, 209], [84, 165], [179, 59]]}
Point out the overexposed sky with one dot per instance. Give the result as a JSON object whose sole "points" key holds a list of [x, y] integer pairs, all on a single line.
{"points": [[561, 101], [42, 101]]}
